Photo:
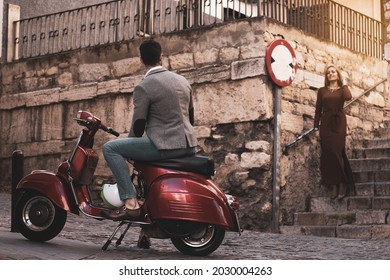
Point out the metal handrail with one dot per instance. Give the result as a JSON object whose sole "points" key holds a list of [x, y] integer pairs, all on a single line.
{"points": [[306, 134], [122, 20]]}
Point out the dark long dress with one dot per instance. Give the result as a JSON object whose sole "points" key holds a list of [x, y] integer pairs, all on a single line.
{"points": [[332, 122]]}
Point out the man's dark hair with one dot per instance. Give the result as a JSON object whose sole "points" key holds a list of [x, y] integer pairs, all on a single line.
{"points": [[150, 51]]}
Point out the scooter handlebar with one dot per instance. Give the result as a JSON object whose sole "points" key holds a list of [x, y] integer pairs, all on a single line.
{"points": [[113, 132], [88, 120], [109, 130]]}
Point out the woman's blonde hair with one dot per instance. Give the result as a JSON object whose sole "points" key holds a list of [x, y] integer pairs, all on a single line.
{"points": [[339, 81]]}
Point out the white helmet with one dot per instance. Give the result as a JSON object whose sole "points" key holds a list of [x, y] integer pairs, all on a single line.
{"points": [[110, 196]]}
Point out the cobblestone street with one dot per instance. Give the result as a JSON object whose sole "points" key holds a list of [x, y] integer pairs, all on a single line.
{"points": [[251, 245]]}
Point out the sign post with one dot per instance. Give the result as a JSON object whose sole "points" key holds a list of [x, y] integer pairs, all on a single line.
{"points": [[281, 64]]}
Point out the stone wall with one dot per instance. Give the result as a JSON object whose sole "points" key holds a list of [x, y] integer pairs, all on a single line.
{"points": [[233, 107], [386, 19]]}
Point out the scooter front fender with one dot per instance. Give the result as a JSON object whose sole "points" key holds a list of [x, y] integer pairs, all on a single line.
{"points": [[48, 184], [187, 197]]}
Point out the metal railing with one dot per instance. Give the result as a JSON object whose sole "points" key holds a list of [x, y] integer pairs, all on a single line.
{"points": [[123, 20], [307, 133]]}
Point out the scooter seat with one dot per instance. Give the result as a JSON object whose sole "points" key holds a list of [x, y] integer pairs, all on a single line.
{"points": [[196, 164]]}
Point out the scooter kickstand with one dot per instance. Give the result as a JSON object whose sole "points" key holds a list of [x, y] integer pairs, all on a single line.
{"points": [[119, 241], [108, 242]]}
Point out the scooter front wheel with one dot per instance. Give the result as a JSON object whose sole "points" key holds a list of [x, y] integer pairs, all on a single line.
{"points": [[205, 240], [37, 218]]}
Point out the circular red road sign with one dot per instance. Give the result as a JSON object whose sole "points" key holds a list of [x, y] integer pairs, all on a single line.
{"points": [[281, 62]]}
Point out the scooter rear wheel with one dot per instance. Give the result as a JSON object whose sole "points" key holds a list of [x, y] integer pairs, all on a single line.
{"points": [[37, 218], [202, 242]]}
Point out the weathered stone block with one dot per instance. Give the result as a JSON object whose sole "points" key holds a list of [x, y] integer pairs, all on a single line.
{"points": [[52, 71], [226, 102], [309, 219], [376, 99], [256, 160], [65, 79], [371, 217], [353, 232], [209, 56], [355, 203], [127, 84], [13, 101], [121, 120], [6, 153], [263, 146], [380, 231], [248, 68], [382, 189], [47, 125], [324, 204], [43, 97], [326, 231], [181, 61], [253, 50], [340, 218], [108, 87], [126, 66], [232, 159], [94, 72], [305, 110], [228, 54], [381, 203], [364, 189], [45, 148], [18, 131], [79, 92], [292, 122], [313, 80], [213, 73]]}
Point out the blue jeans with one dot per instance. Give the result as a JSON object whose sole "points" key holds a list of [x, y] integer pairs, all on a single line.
{"points": [[117, 151]]}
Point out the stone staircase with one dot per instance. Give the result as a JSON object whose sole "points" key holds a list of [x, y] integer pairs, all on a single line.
{"points": [[363, 215]]}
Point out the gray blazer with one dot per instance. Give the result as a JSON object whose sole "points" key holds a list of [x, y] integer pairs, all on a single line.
{"points": [[164, 99]]}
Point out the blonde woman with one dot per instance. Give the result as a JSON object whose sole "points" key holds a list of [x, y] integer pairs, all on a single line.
{"points": [[331, 125]]}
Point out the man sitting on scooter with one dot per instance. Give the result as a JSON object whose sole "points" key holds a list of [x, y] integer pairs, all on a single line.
{"points": [[163, 109]]}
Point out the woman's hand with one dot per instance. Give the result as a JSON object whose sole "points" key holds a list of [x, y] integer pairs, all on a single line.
{"points": [[317, 133]]}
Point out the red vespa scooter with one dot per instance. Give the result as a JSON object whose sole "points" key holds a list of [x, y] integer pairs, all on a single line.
{"points": [[181, 201]]}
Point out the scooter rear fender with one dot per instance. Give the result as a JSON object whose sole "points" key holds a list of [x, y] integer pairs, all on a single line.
{"points": [[186, 197], [50, 185]]}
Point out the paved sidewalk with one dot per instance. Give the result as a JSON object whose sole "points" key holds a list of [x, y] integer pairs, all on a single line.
{"points": [[83, 238]]}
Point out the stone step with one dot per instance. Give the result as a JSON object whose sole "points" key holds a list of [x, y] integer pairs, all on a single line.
{"points": [[324, 219], [371, 217], [370, 164], [363, 232], [324, 231], [362, 216], [366, 202], [371, 176], [377, 143], [359, 217], [371, 153], [344, 231], [328, 205], [373, 189]]}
